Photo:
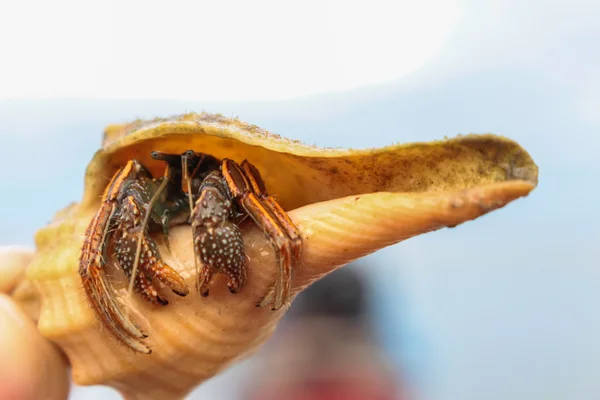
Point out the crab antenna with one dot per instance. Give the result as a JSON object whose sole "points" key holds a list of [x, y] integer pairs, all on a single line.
{"points": [[149, 206], [188, 181]]}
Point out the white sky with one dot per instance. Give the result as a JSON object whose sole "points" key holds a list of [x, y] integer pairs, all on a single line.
{"points": [[213, 50]]}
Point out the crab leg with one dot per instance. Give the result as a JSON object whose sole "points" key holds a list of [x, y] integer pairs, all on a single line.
{"points": [[133, 210], [258, 186], [247, 186], [92, 262]]}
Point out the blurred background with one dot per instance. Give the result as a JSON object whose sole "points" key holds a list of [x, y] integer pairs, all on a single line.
{"points": [[504, 307]]}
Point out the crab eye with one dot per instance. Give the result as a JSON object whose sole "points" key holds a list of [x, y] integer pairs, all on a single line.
{"points": [[155, 155], [137, 166], [190, 153]]}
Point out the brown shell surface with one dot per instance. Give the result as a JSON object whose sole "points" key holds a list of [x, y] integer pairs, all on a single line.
{"points": [[398, 192], [297, 174]]}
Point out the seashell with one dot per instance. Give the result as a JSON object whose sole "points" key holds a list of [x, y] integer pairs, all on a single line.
{"points": [[346, 204]]}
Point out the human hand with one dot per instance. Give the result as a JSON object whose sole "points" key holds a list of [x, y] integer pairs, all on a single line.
{"points": [[30, 366]]}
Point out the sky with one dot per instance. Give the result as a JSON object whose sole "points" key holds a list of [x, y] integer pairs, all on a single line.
{"points": [[501, 307], [207, 51]]}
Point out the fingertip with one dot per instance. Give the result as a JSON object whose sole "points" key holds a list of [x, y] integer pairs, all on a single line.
{"points": [[30, 366], [13, 261]]}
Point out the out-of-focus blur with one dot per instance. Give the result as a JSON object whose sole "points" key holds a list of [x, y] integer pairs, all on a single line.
{"points": [[504, 307], [327, 348]]}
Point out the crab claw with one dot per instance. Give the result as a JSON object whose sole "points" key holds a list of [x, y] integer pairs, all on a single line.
{"points": [[150, 266], [218, 243]]}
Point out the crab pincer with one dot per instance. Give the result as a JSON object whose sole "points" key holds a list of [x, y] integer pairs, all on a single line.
{"points": [[218, 243]]}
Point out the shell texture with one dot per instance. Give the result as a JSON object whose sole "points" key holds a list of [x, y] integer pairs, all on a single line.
{"points": [[347, 203]]}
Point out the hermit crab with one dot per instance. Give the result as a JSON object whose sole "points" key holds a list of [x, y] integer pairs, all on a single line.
{"points": [[219, 192], [195, 233]]}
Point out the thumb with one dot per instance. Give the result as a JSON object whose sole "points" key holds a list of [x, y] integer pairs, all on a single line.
{"points": [[30, 366], [13, 260]]}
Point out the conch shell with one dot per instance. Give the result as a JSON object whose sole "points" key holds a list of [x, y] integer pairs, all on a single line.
{"points": [[195, 338]]}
